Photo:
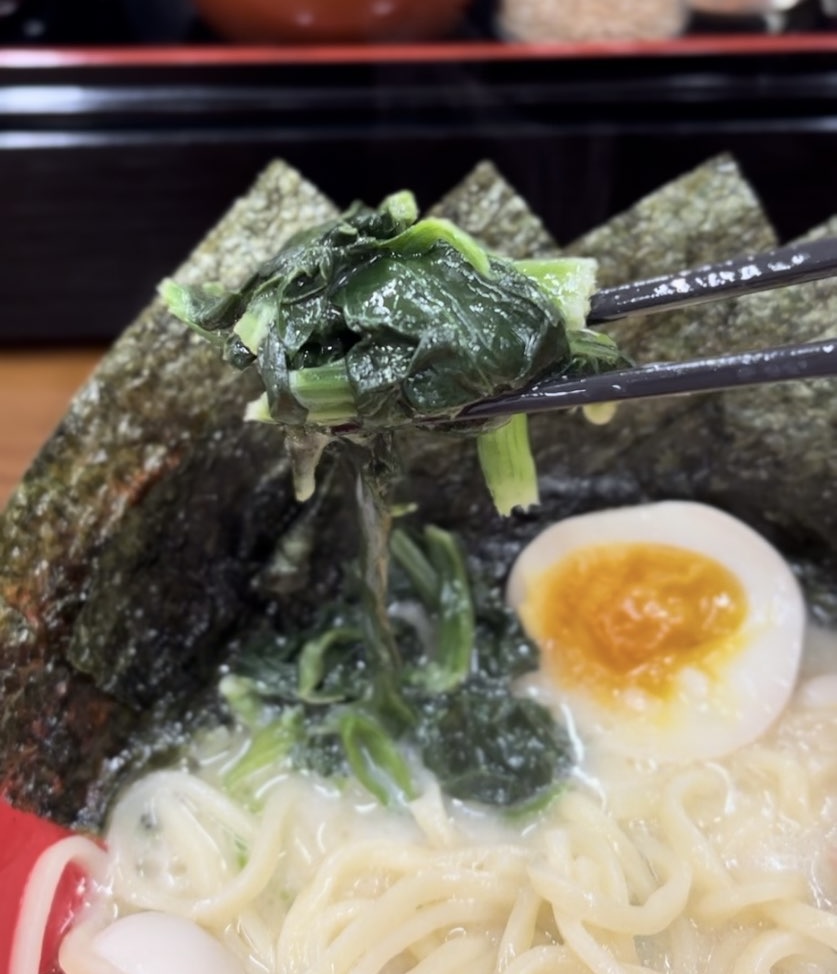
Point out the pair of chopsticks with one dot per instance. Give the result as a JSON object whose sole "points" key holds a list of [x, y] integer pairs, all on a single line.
{"points": [[794, 264]]}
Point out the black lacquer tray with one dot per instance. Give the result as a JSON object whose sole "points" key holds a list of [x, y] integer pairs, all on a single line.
{"points": [[114, 160]]}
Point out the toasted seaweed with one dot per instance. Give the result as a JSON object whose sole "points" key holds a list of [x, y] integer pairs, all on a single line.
{"points": [[156, 529], [127, 551], [488, 208], [697, 218], [767, 454]]}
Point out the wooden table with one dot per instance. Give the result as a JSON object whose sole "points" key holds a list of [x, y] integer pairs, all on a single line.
{"points": [[35, 388]]}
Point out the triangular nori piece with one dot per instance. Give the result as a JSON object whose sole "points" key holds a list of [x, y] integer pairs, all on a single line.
{"points": [[126, 547], [767, 454]]}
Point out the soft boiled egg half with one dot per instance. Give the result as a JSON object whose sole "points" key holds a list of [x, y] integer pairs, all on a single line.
{"points": [[669, 631]]}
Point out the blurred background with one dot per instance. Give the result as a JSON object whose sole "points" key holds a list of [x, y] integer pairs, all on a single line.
{"points": [[128, 126], [212, 21]]}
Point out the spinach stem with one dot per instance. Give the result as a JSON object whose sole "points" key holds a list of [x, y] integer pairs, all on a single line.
{"points": [[325, 391], [372, 495], [568, 282], [420, 237], [508, 465], [417, 567], [374, 476], [455, 611]]}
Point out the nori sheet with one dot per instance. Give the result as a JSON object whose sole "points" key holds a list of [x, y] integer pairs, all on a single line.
{"points": [[710, 213], [488, 208], [126, 553], [767, 454], [144, 539]]}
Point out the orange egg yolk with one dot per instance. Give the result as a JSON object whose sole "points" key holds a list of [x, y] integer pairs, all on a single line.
{"points": [[633, 614]]}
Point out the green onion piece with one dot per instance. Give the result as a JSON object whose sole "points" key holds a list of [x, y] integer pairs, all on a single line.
{"points": [[440, 579], [508, 465], [258, 410], [539, 802], [375, 759], [325, 391], [252, 327], [243, 699], [599, 413], [591, 352]]}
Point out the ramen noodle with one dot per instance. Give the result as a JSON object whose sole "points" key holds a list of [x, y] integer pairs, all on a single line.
{"points": [[728, 866], [696, 832]]}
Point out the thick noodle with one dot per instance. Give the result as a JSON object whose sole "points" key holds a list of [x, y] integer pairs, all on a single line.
{"points": [[729, 866]]}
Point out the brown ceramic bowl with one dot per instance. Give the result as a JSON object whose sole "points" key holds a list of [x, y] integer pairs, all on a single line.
{"points": [[331, 21]]}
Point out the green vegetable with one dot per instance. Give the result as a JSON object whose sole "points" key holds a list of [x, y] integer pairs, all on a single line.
{"points": [[508, 465], [421, 574], [367, 324], [441, 581], [313, 663], [269, 746], [325, 700], [374, 321], [375, 758], [489, 746]]}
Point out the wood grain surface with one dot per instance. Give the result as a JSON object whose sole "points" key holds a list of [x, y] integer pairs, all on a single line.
{"points": [[35, 388]]}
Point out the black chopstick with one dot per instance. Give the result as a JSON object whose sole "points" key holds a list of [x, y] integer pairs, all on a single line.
{"points": [[809, 360], [793, 264]]}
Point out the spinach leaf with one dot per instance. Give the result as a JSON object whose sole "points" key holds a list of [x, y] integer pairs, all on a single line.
{"points": [[486, 745], [324, 700], [377, 320], [370, 323]]}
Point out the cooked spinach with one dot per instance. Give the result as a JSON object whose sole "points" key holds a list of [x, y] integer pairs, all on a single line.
{"points": [[486, 745], [322, 700], [378, 320], [370, 323]]}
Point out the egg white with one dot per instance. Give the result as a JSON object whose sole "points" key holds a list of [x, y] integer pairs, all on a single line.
{"points": [[707, 714]]}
